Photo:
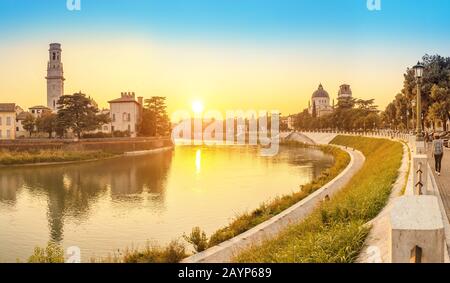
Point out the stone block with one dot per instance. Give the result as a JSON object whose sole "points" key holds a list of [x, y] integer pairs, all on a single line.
{"points": [[416, 230]]}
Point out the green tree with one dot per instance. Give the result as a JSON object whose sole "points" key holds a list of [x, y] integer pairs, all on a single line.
{"points": [[155, 120], [314, 110], [437, 72], [78, 113], [47, 123], [440, 108], [29, 123], [346, 103]]}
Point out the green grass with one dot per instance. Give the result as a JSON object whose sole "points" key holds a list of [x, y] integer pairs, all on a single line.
{"points": [[336, 230], [269, 209], [44, 156], [172, 253]]}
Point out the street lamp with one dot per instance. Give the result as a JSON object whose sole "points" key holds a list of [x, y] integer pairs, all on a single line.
{"points": [[407, 124], [418, 70], [413, 104]]}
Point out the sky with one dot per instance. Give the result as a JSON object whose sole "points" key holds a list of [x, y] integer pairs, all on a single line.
{"points": [[229, 54]]}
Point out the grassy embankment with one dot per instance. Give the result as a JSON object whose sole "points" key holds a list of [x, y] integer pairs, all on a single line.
{"points": [[47, 156], [267, 210], [335, 231], [176, 251]]}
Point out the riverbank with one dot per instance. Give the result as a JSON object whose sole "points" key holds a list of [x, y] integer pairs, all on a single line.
{"points": [[241, 223], [271, 208], [49, 157], [38, 152], [336, 230]]}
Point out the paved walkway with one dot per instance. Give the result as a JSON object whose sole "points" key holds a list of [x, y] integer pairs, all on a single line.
{"points": [[443, 181], [376, 246]]}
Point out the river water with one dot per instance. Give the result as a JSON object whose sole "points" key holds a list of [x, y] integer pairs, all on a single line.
{"points": [[112, 204]]}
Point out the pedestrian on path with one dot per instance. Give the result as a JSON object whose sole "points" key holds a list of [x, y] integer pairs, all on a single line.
{"points": [[438, 152]]}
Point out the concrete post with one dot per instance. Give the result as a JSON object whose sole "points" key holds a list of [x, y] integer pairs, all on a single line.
{"points": [[420, 147], [417, 230], [420, 164]]}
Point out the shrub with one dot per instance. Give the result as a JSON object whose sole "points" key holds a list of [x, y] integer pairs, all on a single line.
{"points": [[121, 134], [197, 239], [98, 135], [53, 253], [174, 252]]}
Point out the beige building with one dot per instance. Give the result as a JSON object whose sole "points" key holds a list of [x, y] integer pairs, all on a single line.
{"points": [[20, 131], [7, 121], [320, 102], [126, 113], [37, 111]]}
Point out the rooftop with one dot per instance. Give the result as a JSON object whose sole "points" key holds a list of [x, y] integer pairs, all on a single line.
{"points": [[39, 107], [320, 92], [125, 97], [7, 107]]}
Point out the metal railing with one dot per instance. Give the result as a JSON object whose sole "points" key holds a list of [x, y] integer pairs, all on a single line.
{"points": [[419, 184]]}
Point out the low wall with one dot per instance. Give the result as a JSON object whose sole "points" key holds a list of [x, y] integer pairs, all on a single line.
{"points": [[114, 145]]}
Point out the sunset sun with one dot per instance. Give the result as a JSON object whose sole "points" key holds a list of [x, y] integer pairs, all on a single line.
{"points": [[197, 106]]}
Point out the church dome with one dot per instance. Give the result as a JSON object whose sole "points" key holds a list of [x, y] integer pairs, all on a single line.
{"points": [[320, 92]]}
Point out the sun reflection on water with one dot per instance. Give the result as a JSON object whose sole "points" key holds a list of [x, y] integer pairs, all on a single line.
{"points": [[198, 161]]}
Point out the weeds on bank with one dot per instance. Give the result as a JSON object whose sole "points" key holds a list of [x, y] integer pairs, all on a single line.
{"points": [[41, 156]]}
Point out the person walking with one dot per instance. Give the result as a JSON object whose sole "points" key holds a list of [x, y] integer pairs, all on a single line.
{"points": [[438, 152]]}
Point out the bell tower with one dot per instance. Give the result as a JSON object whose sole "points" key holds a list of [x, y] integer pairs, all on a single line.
{"points": [[55, 76]]}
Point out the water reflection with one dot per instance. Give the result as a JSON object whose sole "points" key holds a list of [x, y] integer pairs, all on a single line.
{"points": [[105, 205], [71, 190]]}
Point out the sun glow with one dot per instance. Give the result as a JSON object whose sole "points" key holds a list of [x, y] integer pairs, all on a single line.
{"points": [[197, 107]]}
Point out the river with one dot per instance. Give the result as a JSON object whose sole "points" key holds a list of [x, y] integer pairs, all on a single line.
{"points": [[112, 204]]}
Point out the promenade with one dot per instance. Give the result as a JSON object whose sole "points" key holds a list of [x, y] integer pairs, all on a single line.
{"points": [[443, 181]]}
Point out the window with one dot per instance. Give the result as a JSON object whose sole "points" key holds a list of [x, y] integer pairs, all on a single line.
{"points": [[105, 128], [8, 134], [129, 128], [114, 117], [129, 117], [32, 111], [17, 129], [8, 121], [54, 56]]}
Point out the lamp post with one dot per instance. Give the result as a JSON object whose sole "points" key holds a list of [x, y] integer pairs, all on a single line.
{"points": [[413, 104], [418, 69], [407, 124]]}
